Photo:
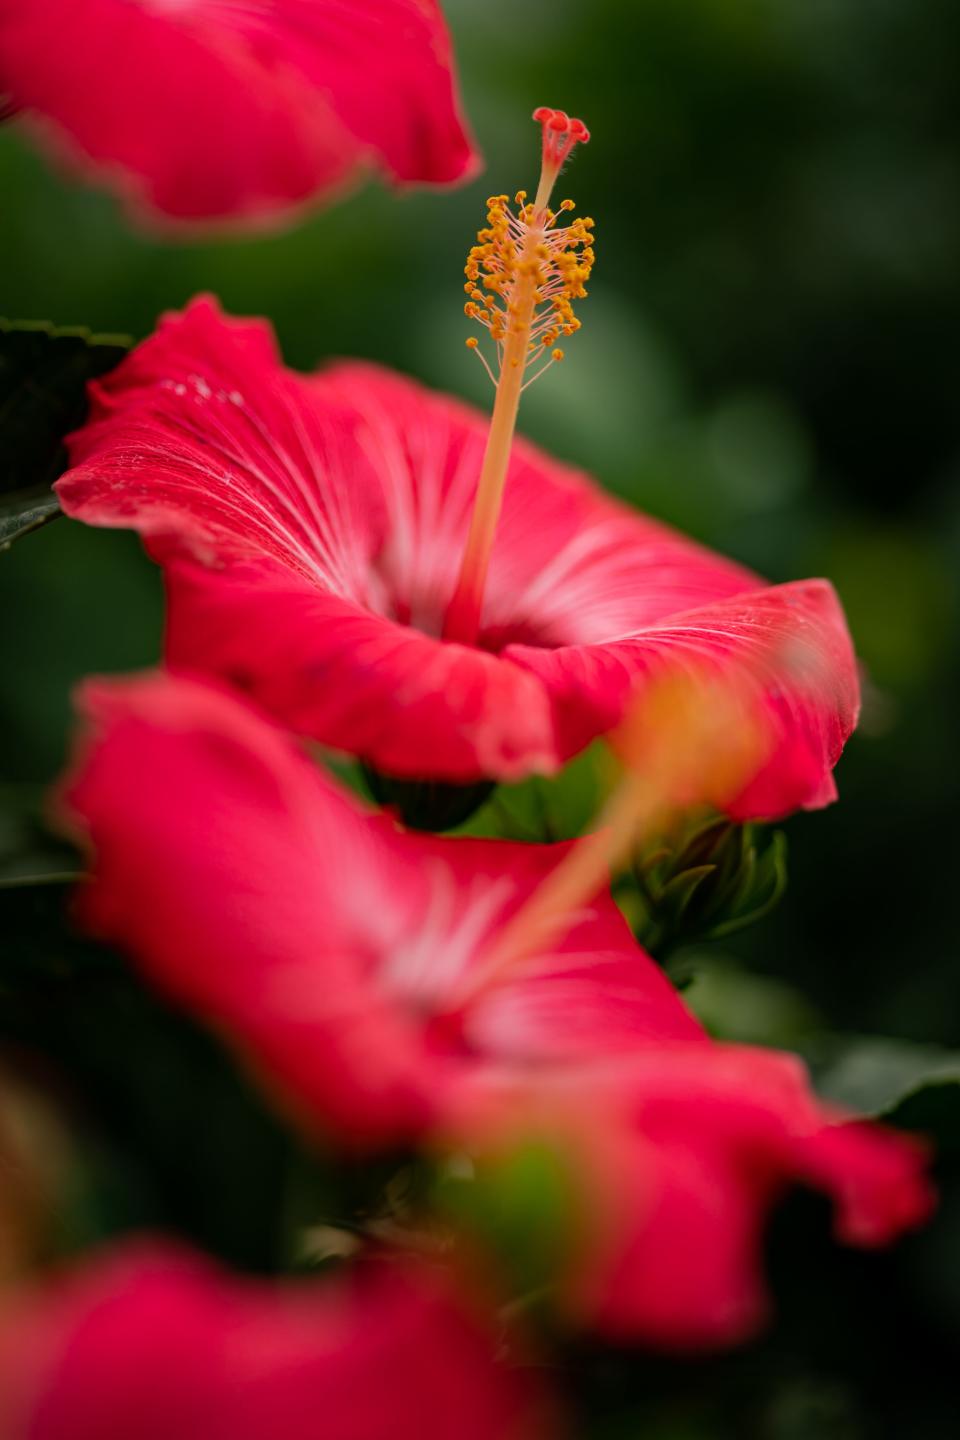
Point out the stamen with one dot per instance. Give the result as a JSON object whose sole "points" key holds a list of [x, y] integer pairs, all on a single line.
{"points": [[689, 741], [523, 276]]}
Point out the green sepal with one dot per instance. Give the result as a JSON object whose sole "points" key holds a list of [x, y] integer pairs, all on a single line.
{"points": [[429, 805], [705, 881]]}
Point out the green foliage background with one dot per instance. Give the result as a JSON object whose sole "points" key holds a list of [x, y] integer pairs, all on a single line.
{"points": [[769, 359]]}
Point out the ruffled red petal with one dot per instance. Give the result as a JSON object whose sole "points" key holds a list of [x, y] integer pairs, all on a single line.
{"points": [[696, 1145], [787, 651]]}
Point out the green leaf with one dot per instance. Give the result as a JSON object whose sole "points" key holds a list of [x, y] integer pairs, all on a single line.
{"points": [[738, 1006], [909, 1085], [539, 810], [44, 373]]}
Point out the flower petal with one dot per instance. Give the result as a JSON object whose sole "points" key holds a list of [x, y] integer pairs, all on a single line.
{"points": [[725, 1131], [153, 1341], [680, 1153], [787, 647], [408, 704], [569, 565], [210, 110], [219, 878], [206, 445]]}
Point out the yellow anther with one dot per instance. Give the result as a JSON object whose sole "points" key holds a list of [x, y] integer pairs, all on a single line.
{"points": [[523, 275], [472, 342], [557, 355]]}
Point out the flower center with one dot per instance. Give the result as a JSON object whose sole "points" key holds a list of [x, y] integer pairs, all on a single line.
{"points": [[523, 275]]}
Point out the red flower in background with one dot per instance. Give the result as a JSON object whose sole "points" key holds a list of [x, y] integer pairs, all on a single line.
{"points": [[311, 530], [151, 1342], [219, 109], [364, 972], [330, 946]]}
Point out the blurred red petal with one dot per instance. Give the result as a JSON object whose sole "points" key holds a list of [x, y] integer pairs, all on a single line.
{"points": [[331, 949], [695, 1146], [153, 1342], [208, 110]]}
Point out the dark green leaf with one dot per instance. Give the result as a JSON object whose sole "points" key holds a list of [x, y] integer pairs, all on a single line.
{"points": [[539, 810], [913, 1086], [738, 1006], [44, 372], [30, 854]]}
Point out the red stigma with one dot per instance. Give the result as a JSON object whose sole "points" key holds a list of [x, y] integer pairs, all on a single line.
{"points": [[560, 134]]}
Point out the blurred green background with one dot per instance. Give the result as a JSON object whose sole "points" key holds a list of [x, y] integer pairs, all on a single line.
{"points": [[769, 359]]}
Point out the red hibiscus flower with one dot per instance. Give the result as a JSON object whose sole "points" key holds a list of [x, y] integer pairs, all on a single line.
{"points": [[335, 949], [387, 984], [153, 1342], [311, 530], [215, 109]]}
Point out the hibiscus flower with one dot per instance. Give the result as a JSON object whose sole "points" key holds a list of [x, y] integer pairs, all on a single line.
{"points": [[394, 988], [311, 530], [153, 1341], [219, 109], [332, 947]]}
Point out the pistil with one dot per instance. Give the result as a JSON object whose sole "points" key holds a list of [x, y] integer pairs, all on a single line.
{"points": [[522, 276]]}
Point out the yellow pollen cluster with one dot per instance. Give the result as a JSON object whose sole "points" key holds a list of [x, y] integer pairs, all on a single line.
{"points": [[523, 275]]}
